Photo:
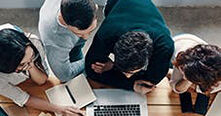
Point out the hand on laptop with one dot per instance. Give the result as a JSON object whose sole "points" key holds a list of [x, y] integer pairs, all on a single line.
{"points": [[102, 67], [70, 111], [143, 87]]}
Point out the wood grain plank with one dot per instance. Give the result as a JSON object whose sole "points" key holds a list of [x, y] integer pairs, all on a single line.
{"points": [[161, 101]]}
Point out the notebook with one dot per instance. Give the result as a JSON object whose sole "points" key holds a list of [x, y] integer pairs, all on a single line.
{"points": [[77, 92]]}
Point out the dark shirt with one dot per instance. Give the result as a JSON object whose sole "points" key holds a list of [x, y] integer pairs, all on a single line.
{"points": [[123, 16]]}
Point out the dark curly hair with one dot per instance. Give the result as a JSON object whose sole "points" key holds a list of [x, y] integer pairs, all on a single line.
{"points": [[201, 65], [132, 51], [78, 13]]}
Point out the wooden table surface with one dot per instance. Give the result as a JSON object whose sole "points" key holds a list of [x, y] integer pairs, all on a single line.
{"points": [[161, 101]]}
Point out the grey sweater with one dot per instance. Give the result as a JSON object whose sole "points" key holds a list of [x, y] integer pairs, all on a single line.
{"points": [[58, 41]]}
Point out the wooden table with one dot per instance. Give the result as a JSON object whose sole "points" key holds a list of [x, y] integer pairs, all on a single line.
{"points": [[161, 101]]}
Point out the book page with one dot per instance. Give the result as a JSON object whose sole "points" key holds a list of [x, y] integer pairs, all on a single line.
{"points": [[81, 91], [59, 95]]}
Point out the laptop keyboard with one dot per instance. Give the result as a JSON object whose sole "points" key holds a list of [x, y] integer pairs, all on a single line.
{"points": [[117, 110]]}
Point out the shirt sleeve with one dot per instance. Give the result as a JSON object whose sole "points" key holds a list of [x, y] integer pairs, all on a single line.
{"points": [[59, 61], [175, 78], [98, 52], [14, 93]]}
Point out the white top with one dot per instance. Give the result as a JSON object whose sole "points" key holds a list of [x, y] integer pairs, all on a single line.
{"points": [[8, 82], [182, 43], [9, 89]]}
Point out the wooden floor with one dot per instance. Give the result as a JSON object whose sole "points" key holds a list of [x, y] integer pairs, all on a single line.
{"points": [[161, 102]]}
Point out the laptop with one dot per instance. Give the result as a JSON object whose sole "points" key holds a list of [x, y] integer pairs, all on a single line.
{"points": [[215, 109], [117, 102]]}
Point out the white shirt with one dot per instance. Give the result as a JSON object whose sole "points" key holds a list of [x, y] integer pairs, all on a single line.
{"points": [[8, 82], [182, 43], [9, 89]]}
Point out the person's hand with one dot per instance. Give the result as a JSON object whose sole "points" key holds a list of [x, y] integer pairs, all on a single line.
{"points": [[70, 111], [25, 67], [102, 67], [143, 87], [192, 88]]}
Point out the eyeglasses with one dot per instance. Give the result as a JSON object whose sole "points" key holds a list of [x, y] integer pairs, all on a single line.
{"points": [[23, 66]]}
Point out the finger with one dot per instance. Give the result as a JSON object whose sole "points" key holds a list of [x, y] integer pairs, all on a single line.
{"points": [[76, 111], [148, 83], [139, 82], [97, 66], [74, 107], [71, 113], [100, 64], [92, 66], [98, 71], [29, 67], [146, 90], [25, 67]]}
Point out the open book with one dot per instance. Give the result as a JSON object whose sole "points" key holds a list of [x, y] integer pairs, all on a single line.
{"points": [[76, 92]]}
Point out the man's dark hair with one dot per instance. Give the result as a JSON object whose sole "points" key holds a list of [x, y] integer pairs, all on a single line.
{"points": [[12, 49], [201, 65], [132, 51], [78, 13]]}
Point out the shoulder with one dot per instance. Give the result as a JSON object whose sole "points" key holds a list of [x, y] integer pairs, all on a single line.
{"points": [[165, 42]]}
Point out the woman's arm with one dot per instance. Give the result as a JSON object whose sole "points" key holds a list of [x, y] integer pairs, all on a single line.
{"points": [[45, 105], [183, 85], [37, 75], [178, 83]]}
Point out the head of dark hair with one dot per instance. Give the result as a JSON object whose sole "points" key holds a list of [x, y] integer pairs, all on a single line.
{"points": [[12, 49], [78, 13], [201, 65], [132, 51]]}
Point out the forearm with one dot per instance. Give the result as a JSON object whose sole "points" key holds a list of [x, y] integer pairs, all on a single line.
{"points": [[37, 75], [182, 85], [60, 63], [67, 71], [41, 104]]}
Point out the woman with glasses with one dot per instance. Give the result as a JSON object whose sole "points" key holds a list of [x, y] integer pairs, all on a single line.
{"points": [[195, 64], [19, 61]]}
